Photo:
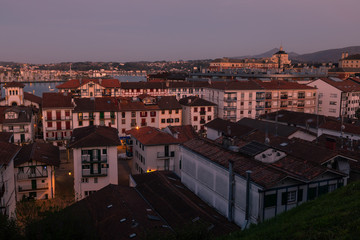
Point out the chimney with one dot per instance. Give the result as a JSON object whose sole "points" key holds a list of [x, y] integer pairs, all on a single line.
{"points": [[342, 55], [346, 54], [189, 100]]}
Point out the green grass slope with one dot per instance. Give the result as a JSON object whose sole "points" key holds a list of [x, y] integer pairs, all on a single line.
{"points": [[332, 216]]}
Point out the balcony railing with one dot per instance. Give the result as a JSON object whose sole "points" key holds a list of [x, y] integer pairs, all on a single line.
{"points": [[165, 155], [39, 186], [202, 112], [284, 96], [228, 99], [24, 176], [24, 130], [230, 108], [202, 121], [58, 118], [87, 158], [99, 173]]}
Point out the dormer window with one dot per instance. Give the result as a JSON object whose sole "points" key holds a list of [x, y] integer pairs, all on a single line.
{"points": [[11, 115]]}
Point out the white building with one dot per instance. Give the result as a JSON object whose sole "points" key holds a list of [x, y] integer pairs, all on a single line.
{"points": [[8, 152], [95, 159], [251, 98], [264, 179], [15, 96], [197, 112], [35, 171], [57, 118], [20, 121], [336, 97], [87, 88]]}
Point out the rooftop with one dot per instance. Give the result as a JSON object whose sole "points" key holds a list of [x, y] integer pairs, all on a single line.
{"points": [[7, 152], [94, 136], [56, 100], [40, 152], [194, 101], [152, 136]]}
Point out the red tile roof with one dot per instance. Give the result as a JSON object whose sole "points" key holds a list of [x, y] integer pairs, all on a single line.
{"points": [[235, 85], [103, 104], [168, 103], [343, 85], [75, 83], [32, 98], [14, 84], [184, 132], [195, 101], [281, 84], [177, 204], [40, 152], [336, 126], [229, 128], [152, 136], [94, 136], [7, 152], [263, 174], [57, 100]]}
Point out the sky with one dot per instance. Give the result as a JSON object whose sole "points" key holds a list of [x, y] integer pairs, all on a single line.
{"points": [[52, 31]]}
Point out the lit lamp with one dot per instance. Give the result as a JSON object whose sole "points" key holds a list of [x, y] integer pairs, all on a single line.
{"points": [[137, 127], [69, 173]]}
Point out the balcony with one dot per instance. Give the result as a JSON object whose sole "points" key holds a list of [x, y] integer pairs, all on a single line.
{"points": [[301, 95], [301, 105], [268, 96], [165, 155], [59, 118], [40, 186], [284, 97], [87, 158], [143, 124], [230, 108], [202, 112], [25, 176], [133, 124], [102, 172], [24, 130], [228, 99], [230, 117], [259, 107], [202, 121]]}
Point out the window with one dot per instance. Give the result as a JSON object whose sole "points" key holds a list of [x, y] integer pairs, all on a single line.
{"points": [[163, 120], [170, 120], [49, 124], [80, 116], [196, 109], [123, 130], [333, 95], [209, 118], [152, 120], [80, 123], [177, 111], [209, 109], [170, 111], [270, 200], [177, 119], [104, 151], [195, 118], [84, 180], [162, 111], [133, 114], [332, 103], [123, 121], [123, 114], [242, 103], [291, 197]]}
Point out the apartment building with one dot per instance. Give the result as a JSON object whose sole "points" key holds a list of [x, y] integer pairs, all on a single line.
{"points": [[197, 112], [8, 152], [153, 150], [87, 88], [35, 171], [337, 98], [20, 121], [95, 111], [251, 98], [171, 112], [57, 118], [95, 159]]}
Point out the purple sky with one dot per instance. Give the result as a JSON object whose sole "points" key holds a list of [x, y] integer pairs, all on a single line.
{"points": [[47, 31]]}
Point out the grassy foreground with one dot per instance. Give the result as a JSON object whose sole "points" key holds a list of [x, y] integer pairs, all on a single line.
{"points": [[332, 216]]}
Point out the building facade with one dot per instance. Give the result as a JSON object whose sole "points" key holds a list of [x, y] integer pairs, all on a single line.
{"points": [[95, 159]]}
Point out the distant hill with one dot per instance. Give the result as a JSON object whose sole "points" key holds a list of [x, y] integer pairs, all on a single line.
{"points": [[331, 216], [330, 55], [267, 54]]}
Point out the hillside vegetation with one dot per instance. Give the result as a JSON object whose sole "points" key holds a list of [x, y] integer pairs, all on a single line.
{"points": [[332, 216]]}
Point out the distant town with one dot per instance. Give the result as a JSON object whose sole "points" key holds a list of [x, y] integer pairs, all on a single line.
{"points": [[219, 144]]}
